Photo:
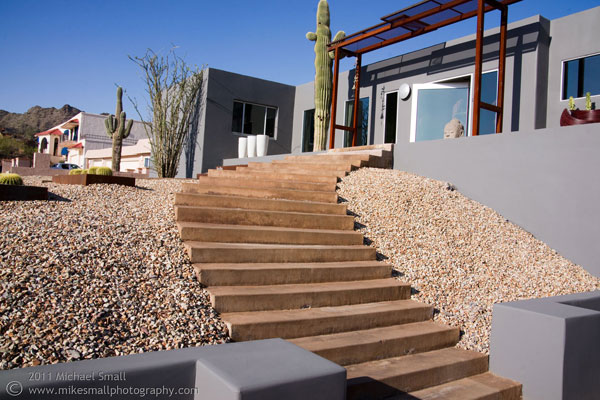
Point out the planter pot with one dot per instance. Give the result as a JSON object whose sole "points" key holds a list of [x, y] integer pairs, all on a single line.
{"points": [[251, 146], [262, 145], [22, 192], [243, 147], [89, 179], [579, 117]]}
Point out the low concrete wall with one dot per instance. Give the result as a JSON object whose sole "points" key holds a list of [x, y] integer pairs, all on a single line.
{"points": [[24, 171], [550, 345], [270, 369], [545, 181]]}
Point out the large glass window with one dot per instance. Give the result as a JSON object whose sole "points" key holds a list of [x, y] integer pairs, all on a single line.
{"points": [[436, 104], [581, 76], [363, 122], [308, 130], [253, 119]]}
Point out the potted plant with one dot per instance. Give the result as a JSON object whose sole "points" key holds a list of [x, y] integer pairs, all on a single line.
{"points": [[574, 116]]}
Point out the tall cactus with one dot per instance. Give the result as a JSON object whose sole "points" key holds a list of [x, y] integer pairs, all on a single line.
{"points": [[116, 129], [323, 74]]}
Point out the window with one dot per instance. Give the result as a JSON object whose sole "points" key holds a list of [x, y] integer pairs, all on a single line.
{"points": [[253, 119], [308, 130], [580, 76], [435, 104], [147, 162], [363, 122]]}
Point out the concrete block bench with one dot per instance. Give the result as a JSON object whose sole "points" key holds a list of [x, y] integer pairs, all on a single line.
{"points": [[550, 345], [265, 369]]}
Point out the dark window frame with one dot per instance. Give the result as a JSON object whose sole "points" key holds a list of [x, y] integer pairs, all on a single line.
{"points": [[578, 64], [267, 110]]}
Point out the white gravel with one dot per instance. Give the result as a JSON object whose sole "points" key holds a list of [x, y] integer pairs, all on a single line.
{"points": [[102, 273], [461, 256]]}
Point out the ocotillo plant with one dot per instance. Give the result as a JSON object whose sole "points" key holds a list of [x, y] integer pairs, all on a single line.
{"points": [[323, 78], [116, 129]]}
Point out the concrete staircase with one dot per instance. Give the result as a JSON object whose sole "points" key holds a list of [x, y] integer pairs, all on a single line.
{"points": [[280, 258]]}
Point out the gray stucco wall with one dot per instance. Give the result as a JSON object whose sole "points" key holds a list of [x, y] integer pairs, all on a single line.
{"points": [[526, 75], [545, 181], [218, 140], [573, 36]]}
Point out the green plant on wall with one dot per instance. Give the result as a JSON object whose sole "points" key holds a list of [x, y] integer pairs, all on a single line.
{"points": [[571, 103], [323, 73], [117, 131], [588, 101]]}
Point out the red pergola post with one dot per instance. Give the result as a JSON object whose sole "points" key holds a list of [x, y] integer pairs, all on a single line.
{"points": [[501, 70], [336, 70], [478, 67], [356, 99]]}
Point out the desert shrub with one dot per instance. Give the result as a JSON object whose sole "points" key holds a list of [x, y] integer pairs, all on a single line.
{"points": [[92, 170], [11, 179], [76, 172], [104, 171]]}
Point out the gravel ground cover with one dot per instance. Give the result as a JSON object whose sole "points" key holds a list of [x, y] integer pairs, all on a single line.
{"points": [[99, 271], [460, 256]]}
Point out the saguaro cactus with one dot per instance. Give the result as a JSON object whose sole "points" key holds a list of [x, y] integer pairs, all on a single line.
{"points": [[323, 74], [116, 129]]}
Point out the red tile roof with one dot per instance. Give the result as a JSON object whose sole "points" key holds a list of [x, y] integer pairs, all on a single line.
{"points": [[52, 132], [76, 146]]}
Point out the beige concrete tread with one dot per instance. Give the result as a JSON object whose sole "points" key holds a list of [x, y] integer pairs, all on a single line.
{"points": [[250, 203], [277, 274], [289, 324], [486, 386], [361, 149], [412, 372], [297, 168], [210, 232], [264, 193], [274, 175], [329, 157], [216, 252], [378, 343], [299, 296], [237, 216], [260, 182], [324, 165]]}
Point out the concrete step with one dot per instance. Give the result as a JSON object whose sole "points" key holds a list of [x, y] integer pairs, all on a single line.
{"points": [[308, 295], [250, 203], [290, 324], [206, 232], [261, 193], [297, 168], [392, 376], [486, 386], [357, 160], [378, 343], [273, 175], [260, 183], [202, 252], [290, 273], [231, 216], [346, 166]]}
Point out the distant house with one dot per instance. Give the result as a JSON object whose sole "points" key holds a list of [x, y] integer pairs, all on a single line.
{"points": [[70, 141], [134, 158]]}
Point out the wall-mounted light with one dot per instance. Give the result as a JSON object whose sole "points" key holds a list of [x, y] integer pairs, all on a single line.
{"points": [[404, 91]]}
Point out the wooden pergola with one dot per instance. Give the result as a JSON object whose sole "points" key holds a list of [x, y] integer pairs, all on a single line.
{"points": [[417, 20]]}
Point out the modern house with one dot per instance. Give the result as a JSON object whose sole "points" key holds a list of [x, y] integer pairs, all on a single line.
{"points": [[535, 173], [409, 98], [71, 140]]}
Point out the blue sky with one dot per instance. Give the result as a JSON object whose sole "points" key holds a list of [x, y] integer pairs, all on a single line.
{"points": [[66, 51]]}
